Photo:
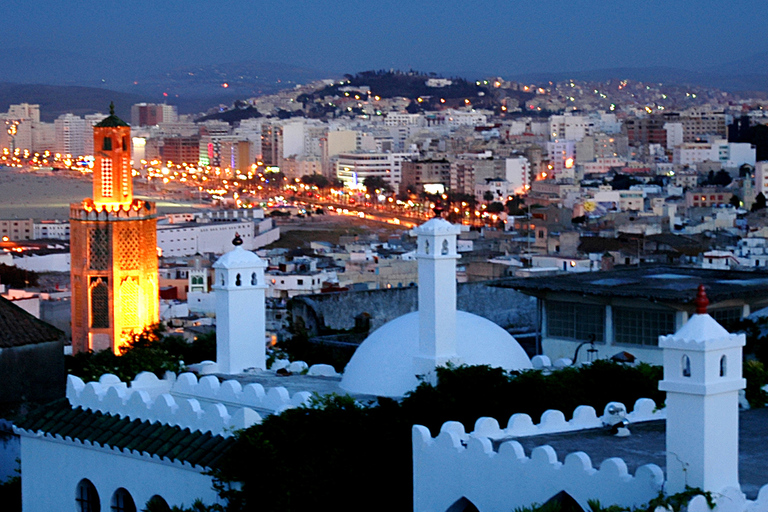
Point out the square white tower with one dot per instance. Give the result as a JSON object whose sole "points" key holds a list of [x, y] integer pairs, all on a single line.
{"points": [[436, 253], [702, 378], [240, 310]]}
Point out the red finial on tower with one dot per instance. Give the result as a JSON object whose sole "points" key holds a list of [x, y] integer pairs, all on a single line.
{"points": [[701, 301]]}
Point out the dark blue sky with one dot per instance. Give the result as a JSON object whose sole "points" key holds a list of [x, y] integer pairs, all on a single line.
{"points": [[493, 36]]}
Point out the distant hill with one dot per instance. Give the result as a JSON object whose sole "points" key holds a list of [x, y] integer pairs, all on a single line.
{"points": [[242, 79], [746, 74]]}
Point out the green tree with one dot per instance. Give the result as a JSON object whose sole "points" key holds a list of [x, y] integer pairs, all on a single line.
{"points": [[759, 203], [495, 207], [374, 183]]}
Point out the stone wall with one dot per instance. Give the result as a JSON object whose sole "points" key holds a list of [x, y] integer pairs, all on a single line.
{"points": [[506, 307]]}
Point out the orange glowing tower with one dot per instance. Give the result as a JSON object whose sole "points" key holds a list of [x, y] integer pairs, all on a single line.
{"points": [[113, 245]]}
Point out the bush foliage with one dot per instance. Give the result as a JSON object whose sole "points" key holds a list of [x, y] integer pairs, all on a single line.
{"points": [[147, 351], [337, 451]]}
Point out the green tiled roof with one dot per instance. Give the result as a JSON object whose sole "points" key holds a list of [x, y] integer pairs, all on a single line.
{"points": [[111, 121], [175, 443], [18, 328]]}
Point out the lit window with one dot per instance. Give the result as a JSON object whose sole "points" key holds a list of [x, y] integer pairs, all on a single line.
{"points": [[106, 177], [126, 176]]}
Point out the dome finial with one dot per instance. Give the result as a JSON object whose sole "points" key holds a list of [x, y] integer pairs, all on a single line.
{"points": [[701, 301], [237, 240], [111, 108]]}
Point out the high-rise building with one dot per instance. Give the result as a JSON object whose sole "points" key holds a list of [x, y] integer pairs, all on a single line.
{"points": [[70, 135], [151, 114], [113, 247]]}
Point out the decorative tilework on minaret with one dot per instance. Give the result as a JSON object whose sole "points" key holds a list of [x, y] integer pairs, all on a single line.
{"points": [[113, 247]]}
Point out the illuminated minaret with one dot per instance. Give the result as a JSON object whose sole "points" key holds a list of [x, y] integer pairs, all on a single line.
{"points": [[113, 245]]}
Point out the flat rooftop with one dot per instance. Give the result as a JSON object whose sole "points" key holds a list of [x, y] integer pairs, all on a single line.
{"points": [[647, 445], [676, 284]]}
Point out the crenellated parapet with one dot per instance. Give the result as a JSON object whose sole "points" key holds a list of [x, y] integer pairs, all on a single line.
{"points": [[446, 469], [204, 405], [553, 421], [88, 210]]}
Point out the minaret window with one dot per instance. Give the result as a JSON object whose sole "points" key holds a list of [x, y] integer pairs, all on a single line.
{"points": [[723, 366], [237, 280], [254, 279], [126, 175], [426, 246], [107, 144], [686, 366], [106, 177], [99, 303], [444, 250]]}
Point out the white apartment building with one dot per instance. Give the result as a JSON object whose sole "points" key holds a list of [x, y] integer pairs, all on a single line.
{"points": [[404, 119], [50, 230], [603, 165], [353, 168], [562, 155], [191, 238], [71, 132], [624, 200], [752, 252], [674, 134], [518, 174], [570, 127], [729, 154], [761, 178]]}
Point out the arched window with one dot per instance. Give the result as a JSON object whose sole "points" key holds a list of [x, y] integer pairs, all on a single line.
{"points": [[462, 505], [426, 246], [254, 279], [86, 497], [122, 501], [157, 504], [723, 366], [107, 145], [686, 366], [221, 278], [444, 250], [238, 282]]}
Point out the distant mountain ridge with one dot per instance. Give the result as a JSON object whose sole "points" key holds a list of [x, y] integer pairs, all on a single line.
{"points": [[55, 100]]}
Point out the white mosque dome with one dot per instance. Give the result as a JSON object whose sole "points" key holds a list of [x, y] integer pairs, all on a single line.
{"points": [[383, 365]]}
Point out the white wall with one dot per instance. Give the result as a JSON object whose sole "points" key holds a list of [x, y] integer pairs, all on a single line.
{"points": [[445, 471], [48, 263], [52, 468]]}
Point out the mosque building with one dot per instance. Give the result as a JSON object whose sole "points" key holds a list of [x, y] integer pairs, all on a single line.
{"points": [[114, 249]]}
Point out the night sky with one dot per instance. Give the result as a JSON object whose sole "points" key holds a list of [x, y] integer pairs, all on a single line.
{"points": [[446, 36]]}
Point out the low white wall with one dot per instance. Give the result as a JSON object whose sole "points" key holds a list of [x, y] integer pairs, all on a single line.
{"points": [[53, 467], [444, 471], [205, 404], [732, 500], [59, 262]]}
